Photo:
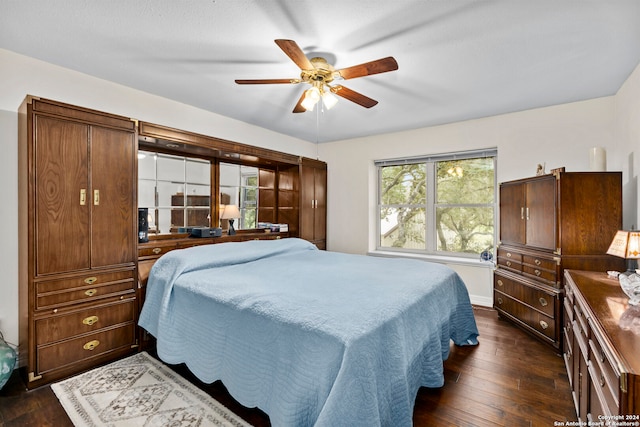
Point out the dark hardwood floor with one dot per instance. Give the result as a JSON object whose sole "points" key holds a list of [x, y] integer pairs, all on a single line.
{"points": [[510, 379]]}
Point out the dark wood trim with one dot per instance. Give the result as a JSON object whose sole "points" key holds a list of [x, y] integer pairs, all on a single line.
{"points": [[85, 115], [229, 151]]}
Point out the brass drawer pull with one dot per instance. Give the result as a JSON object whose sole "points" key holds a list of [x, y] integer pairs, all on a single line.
{"points": [[601, 380], [90, 280], [91, 345], [538, 272], [91, 320], [500, 301], [537, 262], [544, 324], [83, 196], [96, 197], [90, 292], [156, 250], [508, 263], [508, 254], [543, 302], [500, 282]]}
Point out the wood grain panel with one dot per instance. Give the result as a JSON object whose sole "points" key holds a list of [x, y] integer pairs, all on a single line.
{"points": [[61, 173], [113, 175]]}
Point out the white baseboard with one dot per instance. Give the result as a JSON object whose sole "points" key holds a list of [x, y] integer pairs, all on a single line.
{"points": [[480, 300]]}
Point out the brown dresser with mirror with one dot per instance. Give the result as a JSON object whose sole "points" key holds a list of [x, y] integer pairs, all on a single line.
{"points": [[82, 269]]}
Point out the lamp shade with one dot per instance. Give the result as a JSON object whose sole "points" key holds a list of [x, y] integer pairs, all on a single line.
{"points": [[311, 98], [625, 244], [230, 212]]}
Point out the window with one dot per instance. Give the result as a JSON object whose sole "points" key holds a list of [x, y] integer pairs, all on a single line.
{"points": [[439, 205]]}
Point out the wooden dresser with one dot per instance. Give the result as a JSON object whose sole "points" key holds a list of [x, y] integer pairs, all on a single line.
{"points": [[78, 237], [549, 223], [601, 348]]}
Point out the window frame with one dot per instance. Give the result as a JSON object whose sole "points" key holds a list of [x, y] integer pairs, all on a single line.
{"points": [[430, 204]]}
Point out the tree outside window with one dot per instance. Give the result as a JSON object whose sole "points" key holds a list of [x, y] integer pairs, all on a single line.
{"points": [[440, 206]]}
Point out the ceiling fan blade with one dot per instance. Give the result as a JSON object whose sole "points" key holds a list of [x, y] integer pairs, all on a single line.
{"points": [[294, 52], [353, 96], [267, 81], [299, 108], [368, 68]]}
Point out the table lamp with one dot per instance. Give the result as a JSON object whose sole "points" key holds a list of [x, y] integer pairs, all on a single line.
{"points": [[230, 212], [626, 244]]}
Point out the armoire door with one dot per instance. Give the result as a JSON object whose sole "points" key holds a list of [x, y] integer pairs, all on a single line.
{"points": [[307, 203], [113, 197], [61, 196], [320, 193], [512, 214], [540, 213]]}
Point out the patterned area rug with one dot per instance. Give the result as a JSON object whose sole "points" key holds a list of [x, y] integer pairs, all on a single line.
{"points": [[139, 391]]}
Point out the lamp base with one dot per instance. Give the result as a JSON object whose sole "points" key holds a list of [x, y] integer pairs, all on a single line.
{"points": [[232, 231]]}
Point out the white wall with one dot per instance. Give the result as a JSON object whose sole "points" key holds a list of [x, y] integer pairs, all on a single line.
{"points": [[21, 76], [556, 136], [627, 139]]}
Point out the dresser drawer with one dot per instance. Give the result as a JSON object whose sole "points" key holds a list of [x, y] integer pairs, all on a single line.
{"points": [[528, 295], [59, 327], [548, 276], [155, 251], [569, 294], [65, 353], [606, 377], [509, 259], [569, 354], [532, 318], [540, 262], [601, 400], [582, 322], [64, 292]]}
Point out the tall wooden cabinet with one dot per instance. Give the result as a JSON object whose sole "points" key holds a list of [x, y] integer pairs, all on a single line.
{"points": [[78, 238], [549, 223], [313, 201]]}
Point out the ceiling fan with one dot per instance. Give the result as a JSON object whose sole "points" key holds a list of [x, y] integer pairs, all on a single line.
{"points": [[319, 74]]}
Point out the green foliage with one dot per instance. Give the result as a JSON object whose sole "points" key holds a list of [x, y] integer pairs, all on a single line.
{"points": [[404, 185], [463, 205]]}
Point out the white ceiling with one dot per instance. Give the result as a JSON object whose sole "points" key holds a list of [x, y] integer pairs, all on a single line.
{"points": [[457, 59]]}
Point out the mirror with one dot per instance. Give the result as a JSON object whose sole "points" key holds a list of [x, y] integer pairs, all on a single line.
{"points": [[239, 188], [176, 190]]}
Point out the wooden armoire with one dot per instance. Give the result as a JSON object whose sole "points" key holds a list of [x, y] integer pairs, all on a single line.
{"points": [[78, 238], [548, 223], [313, 202]]}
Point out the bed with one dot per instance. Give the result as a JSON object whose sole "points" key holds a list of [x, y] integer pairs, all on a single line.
{"points": [[313, 338]]}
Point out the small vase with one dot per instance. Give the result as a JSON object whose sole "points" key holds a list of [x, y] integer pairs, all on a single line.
{"points": [[630, 285], [7, 361]]}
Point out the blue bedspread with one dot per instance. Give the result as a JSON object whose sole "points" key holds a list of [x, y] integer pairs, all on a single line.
{"points": [[313, 338]]}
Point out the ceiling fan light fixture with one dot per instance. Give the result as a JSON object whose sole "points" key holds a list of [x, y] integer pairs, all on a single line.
{"points": [[329, 100], [311, 98]]}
